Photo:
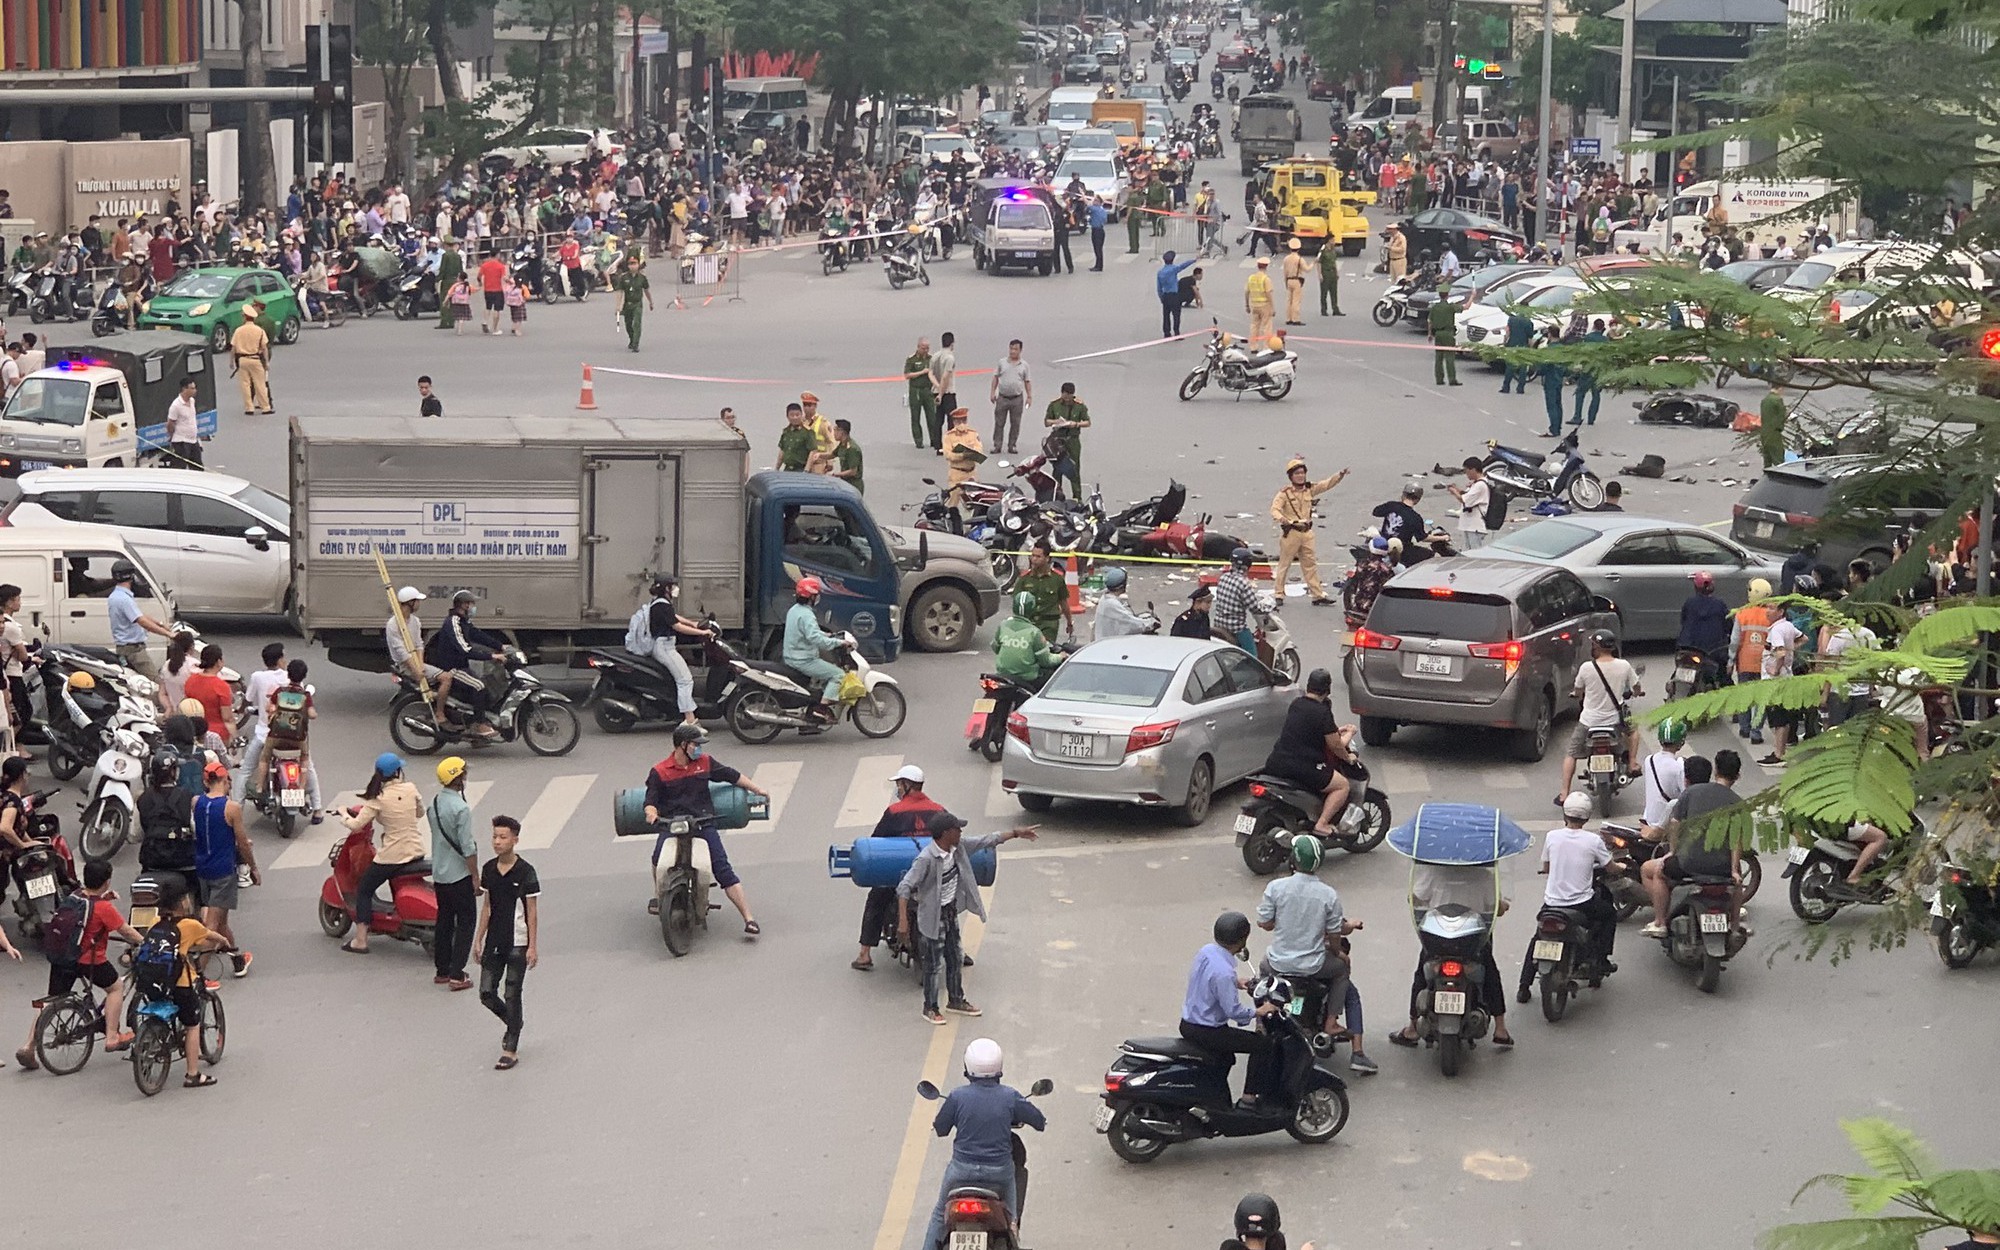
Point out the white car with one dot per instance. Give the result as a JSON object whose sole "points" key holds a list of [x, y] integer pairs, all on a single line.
{"points": [[1099, 172], [1094, 140], [1485, 324], [558, 146], [221, 544]]}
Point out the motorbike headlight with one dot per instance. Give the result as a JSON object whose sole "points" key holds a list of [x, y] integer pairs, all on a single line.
{"points": [[200, 310]]}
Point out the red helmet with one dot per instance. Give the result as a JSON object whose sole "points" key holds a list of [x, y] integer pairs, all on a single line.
{"points": [[1704, 581], [807, 587]]}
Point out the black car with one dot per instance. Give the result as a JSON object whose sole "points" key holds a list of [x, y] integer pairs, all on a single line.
{"points": [[1082, 67], [1436, 229]]}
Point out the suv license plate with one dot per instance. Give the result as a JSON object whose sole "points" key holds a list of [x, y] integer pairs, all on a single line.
{"points": [[1246, 823], [968, 1239], [42, 886], [1439, 664], [1102, 1120], [1715, 922], [1602, 764], [1763, 529], [1077, 746], [1545, 949], [1449, 1002]]}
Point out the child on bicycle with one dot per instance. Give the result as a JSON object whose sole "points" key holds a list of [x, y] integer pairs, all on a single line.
{"points": [[190, 937], [92, 964]]}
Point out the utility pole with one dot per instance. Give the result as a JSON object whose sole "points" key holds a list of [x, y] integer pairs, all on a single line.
{"points": [[1626, 40], [1544, 192]]}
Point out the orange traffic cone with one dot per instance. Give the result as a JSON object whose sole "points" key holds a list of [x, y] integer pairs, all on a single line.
{"points": [[588, 400], [1073, 586]]}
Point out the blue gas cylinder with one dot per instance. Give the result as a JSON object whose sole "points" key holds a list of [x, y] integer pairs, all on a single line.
{"points": [[879, 863]]}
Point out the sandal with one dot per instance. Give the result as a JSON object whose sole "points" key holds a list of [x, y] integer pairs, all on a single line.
{"points": [[863, 965], [1504, 1041], [504, 1063], [200, 1080], [1401, 1038], [751, 928], [352, 949]]}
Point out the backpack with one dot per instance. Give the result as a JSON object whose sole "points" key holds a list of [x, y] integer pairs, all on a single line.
{"points": [[156, 961], [288, 712], [639, 630], [62, 937]]}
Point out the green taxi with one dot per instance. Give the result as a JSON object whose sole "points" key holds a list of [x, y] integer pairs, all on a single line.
{"points": [[209, 302]]}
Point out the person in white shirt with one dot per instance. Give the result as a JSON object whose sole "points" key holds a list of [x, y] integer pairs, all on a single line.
{"points": [[1781, 643], [1115, 617], [1604, 682], [1472, 500], [1571, 857], [10, 370], [1835, 642], [257, 690], [33, 357], [399, 206], [184, 429], [1664, 775], [1448, 266]]}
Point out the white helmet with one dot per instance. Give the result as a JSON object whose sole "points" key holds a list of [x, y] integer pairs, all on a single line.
{"points": [[909, 772], [1578, 806], [982, 1058]]}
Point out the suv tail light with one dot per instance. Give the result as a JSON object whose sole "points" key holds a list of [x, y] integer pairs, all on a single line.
{"points": [[1369, 640], [1017, 725], [1508, 653], [1153, 735]]}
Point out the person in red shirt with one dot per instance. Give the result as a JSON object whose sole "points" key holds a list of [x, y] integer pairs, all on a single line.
{"points": [[213, 693], [905, 818], [161, 253], [571, 254], [493, 281], [92, 964]]}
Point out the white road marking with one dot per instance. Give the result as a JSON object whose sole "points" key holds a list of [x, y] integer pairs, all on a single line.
{"points": [[998, 801], [1399, 776], [552, 809], [1503, 778], [779, 777], [868, 792], [311, 848]]}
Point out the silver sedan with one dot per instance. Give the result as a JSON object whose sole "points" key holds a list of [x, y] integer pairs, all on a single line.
{"points": [[1162, 722], [1643, 565]]}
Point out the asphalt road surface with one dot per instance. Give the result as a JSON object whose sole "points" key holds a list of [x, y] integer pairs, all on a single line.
{"points": [[760, 1092]]}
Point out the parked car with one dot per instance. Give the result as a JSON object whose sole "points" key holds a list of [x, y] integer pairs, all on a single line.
{"points": [[1156, 721], [1040, 143], [1099, 171], [1758, 275], [1320, 87], [557, 146], [1486, 139], [1642, 565], [221, 544], [209, 302], [1474, 641], [1545, 298], [1468, 288], [1785, 507], [1436, 229]]}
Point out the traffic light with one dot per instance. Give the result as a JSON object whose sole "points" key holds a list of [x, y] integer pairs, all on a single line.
{"points": [[340, 110], [1478, 67]]}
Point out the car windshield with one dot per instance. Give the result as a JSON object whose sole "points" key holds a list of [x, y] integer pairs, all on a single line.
{"points": [[1413, 612], [1274, 103], [1087, 170], [1810, 276], [1545, 540], [50, 401], [944, 145], [1509, 292], [1115, 685], [1018, 138], [200, 284], [1555, 297], [1120, 127], [738, 99], [1070, 111], [266, 505], [1741, 270], [1093, 139], [1022, 217]]}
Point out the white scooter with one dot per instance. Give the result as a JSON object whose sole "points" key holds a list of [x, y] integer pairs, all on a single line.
{"points": [[905, 262], [1274, 642], [772, 697], [110, 806], [1233, 368]]}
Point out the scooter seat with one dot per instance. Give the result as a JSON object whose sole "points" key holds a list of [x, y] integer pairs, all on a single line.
{"points": [[1258, 360], [974, 1191], [1173, 1048]]}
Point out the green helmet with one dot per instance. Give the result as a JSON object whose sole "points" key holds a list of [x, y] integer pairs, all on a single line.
{"points": [[1673, 732], [1306, 853], [1024, 603]]}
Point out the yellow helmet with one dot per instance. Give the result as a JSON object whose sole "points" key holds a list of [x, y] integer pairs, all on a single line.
{"points": [[82, 681], [1759, 589], [450, 769], [191, 707]]}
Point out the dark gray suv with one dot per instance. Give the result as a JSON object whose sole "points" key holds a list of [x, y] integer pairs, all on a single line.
{"points": [[1466, 641]]}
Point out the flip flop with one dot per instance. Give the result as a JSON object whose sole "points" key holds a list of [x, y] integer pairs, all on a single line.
{"points": [[504, 1063], [1504, 1041], [751, 928], [858, 966], [1401, 1038], [352, 949]]}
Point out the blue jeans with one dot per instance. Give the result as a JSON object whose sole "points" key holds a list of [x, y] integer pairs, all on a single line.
{"points": [[822, 670], [998, 1177], [944, 961]]}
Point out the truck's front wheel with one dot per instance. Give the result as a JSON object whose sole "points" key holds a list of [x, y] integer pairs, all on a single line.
{"points": [[942, 618]]}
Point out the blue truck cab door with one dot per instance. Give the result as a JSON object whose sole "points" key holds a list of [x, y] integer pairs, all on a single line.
{"points": [[804, 524]]}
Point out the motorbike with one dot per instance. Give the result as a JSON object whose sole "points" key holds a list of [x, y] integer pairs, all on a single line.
{"points": [[1965, 916], [1449, 1011], [21, 287], [1234, 368], [108, 317], [974, 1218], [1153, 527], [999, 695], [1562, 959], [416, 295], [43, 871], [329, 309], [681, 883], [1818, 874], [1280, 811], [1164, 1090], [1556, 474], [1274, 642], [772, 697], [411, 914], [110, 806], [1698, 933], [905, 263], [524, 709], [1695, 671], [1394, 304], [1606, 768], [631, 690], [55, 299], [283, 797], [832, 250]]}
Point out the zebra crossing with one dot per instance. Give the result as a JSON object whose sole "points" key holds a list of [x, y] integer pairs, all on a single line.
{"points": [[568, 807]]}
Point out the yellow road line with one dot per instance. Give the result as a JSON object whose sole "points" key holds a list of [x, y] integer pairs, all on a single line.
{"points": [[917, 1134]]}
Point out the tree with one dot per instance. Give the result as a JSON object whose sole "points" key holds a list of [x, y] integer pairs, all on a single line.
{"points": [[255, 162], [553, 80], [1573, 55], [1899, 1176], [394, 36], [1350, 38]]}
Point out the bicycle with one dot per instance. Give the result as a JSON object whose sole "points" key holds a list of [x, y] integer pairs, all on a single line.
{"points": [[67, 1026], [159, 1042]]}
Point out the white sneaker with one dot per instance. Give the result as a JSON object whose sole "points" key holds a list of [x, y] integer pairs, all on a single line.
{"points": [[1653, 930]]}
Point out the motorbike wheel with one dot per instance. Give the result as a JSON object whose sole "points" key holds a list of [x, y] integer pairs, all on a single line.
{"points": [[214, 1028], [895, 281], [334, 921], [1710, 975], [1585, 492], [1386, 314], [65, 1034], [1263, 852], [551, 290], [1955, 946], [549, 727], [1374, 824], [1451, 1054], [1191, 384], [105, 828], [992, 747], [1602, 792], [1555, 993], [63, 763], [288, 823], [741, 721], [880, 712], [1809, 883], [152, 1056], [1287, 665], [1006, 570], [413, 725], [1319, 1117], [1128, 1139], [677, 918], [1276, 390], [826, 266], [924, 276], [613, 720], [406, 308], [101, 326], [38, 311], [1753, 878], [336, 313]]}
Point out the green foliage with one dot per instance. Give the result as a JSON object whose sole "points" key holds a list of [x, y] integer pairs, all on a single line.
{"points": [[1949, 1200], [926, 48], [1348, 40]]}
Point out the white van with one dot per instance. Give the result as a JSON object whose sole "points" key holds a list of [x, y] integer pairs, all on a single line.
{"points": [[1069, 108], [1743, 203], [64, 573], [774, 95], [1402, 105]]}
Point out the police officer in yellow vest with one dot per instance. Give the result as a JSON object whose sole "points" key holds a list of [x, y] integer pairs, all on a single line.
{"points": [[1258, 303], [1292, 509], [1295, 283]]}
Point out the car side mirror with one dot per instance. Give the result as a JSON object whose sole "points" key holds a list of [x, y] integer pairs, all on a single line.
{"points": [[923, 550], [1598, 603], [259, 537]]}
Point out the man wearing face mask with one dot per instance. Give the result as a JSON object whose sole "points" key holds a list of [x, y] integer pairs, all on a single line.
{"points": [[678, 786], [455, 646]]}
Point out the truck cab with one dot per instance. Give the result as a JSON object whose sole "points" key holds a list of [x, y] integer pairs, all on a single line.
{"points": [[1267, 128], [1313, 205], [103, 404]]}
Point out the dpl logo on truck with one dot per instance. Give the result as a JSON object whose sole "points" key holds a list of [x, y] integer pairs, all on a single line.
{"points": [[444, 520]]}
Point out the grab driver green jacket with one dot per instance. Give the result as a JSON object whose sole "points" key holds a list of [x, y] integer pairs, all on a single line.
{"points": [[1024, 653]]}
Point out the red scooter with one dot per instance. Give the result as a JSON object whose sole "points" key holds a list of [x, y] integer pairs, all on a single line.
{"points": [[412, 912]]}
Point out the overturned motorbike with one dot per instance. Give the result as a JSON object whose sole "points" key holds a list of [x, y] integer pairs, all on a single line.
{"points": [[1561, 473]]}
